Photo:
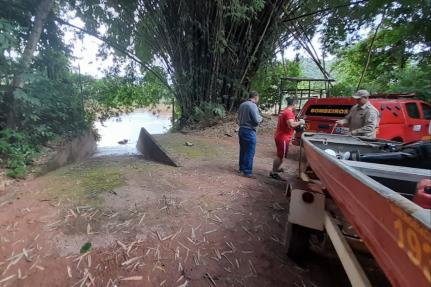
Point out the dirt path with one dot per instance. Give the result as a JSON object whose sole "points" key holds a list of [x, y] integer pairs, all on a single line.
{"points": [[152, 225]]}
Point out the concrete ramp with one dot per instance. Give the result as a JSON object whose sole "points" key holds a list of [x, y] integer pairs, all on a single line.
{"points": [[149, 147]]}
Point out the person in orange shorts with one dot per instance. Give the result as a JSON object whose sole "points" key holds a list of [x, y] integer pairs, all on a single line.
{"points": [[285, 128]]}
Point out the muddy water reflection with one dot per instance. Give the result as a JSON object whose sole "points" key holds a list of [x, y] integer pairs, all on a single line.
{"points": [[126, 128]]}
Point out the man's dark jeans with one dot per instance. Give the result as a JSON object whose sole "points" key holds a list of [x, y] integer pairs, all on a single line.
{"points": [[247, 149]]}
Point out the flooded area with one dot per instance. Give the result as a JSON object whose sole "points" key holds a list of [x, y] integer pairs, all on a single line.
{"points": [[119, 135]]}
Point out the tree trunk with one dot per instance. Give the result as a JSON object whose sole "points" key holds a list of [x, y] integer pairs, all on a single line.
{"points": [[42, 12]]}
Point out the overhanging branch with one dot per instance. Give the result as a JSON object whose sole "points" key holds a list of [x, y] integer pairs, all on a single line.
{"points": [[324, 10], [118, 48]]}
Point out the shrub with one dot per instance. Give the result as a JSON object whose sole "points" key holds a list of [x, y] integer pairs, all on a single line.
{"points": [[207, 112], [16, 152]]}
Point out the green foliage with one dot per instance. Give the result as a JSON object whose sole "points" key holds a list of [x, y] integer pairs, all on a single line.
{"points": [[7, 39], [391, 68], [55, 103], [45, 109], [388, 55], [240, 11], [405, 22], [215, 48], [49, 105], [342, 89], [49, 108], [210, 49], [207, 112], [16, 152], [114, 95], [399, 55], [413, 78], [267, 80]]}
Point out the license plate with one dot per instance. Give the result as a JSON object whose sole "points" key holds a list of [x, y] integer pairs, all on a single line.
{"points": [[341, 130]]}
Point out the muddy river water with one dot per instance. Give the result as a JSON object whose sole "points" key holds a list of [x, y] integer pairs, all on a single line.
{"points": [[125, 129]]}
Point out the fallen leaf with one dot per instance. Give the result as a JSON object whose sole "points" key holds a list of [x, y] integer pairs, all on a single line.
{"points": [[85, 248]]}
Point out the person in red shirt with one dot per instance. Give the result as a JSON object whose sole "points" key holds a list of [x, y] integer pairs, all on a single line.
{"points": [[285, 128]]}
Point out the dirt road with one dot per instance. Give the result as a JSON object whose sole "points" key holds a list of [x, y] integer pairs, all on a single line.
{"points": [[153, 225]]}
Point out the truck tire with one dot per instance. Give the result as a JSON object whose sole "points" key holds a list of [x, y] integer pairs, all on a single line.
{"points": [[297, 241]]}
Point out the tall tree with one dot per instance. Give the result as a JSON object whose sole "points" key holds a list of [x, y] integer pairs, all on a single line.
{"points": [[405, 20], [41, 13], [210, 48], [394, 56]]}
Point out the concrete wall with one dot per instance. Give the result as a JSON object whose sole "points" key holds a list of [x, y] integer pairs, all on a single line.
{"points": [[149, 147], [78, 149]]}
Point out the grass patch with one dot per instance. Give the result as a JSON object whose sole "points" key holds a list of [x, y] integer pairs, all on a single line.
{"points": [[85, 186]]}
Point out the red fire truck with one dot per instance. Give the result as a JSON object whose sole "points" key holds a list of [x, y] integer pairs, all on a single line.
{"points": [[403, 118]]}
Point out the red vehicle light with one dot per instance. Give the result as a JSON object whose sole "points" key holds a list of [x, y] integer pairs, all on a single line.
{"points": [[423, 194]]}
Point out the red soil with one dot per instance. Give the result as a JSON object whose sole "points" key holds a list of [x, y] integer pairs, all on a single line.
{"points": [[201, 223]]}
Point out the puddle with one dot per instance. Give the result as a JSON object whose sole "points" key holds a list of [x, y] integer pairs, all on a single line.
{"points": [[127, 127]]}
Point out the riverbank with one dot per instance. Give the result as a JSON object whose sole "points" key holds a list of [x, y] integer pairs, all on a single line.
{"points": [[115, 136], [155, 225]]}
